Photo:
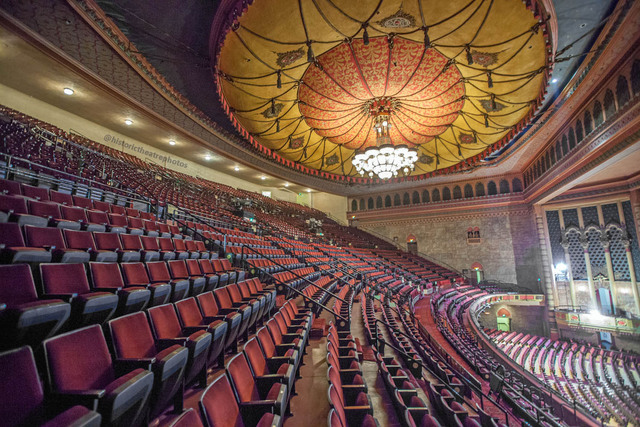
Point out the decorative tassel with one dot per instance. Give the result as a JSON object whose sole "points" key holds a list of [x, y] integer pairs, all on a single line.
{"points": [[427, 41], [486, 121], [365, 35], [277, 125], [493, 102], [469, 56], [279, 81], [309, 52], [459, 151], [273, 106], [489, 79]]}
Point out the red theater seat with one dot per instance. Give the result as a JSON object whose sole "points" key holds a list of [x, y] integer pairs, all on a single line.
{"points": [[193, 267], [166, 245], [14, 209], [282, 354], [159, 273], [61, 198], [135, 274], [263, 368], [22, 396], [74, 213], [106, 276], [132, 242], [80, 370], [51, 239], [178, 270], [83, 240], [36, 193], [13, 248], [210, 310], [10, 187], [111, 242], [82, 202], [134, 345], [51, 211], [227, 306], [189, 418], [27, 320]]}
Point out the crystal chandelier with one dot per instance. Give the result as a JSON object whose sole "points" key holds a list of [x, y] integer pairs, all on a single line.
{"points": [[384, 159]]}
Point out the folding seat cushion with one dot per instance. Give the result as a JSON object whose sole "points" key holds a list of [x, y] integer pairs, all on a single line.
{"points": [[132, 212], [134, 345], [135, 274], [51, 211], [226, 306], [148, 216], [150, 228], [101, 206], [208, 267], [22, 395], [14, 209], [178, 270], [181, 249], [132, 242], [51, 238], [69, 282], [118, 223], [106, 276], [83, 240], [111, 242], [135, 225], [200, 247], [27, 320], [191, 318], [175, 231], [13, 248], [213, 279], [35, 193], [167, 251], [288, 340], [268, 394], [261, 366], [80, 369], [76, 214], [194, 270], [220, 408], [159, 273], [190, 246], [188, 418], [61, 198], [246, 295], [10, 187], [167, 330], [210, 310]]}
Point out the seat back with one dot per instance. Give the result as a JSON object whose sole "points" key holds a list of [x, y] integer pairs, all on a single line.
{"points": [[131, 337], [64, 279], [266, 342], [274, 330], [105, 275], [45, 209], [13, 203], [256, 358], [97, 217], [131, 242], [73, 213], [82, 202], [158, 272], [135, 222], [134, 274], [205, 266], [21, 392], [107, 241], [39, 193], [179, 245], [16, 285], [120, 210], [234, 293], [189, 312], [208, 305], [77, 239], [40, 237], [101, 206], [79, 360], [218, 404], [193, 268], [118, 220], [149, 243], [242, 379], [11, 235], [178, 269], [62, 198], [165, 244], [164, 321], [224, 300], [10, 187]]}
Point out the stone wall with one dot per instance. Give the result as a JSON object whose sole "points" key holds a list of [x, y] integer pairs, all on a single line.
{"points": [[526, 319]]}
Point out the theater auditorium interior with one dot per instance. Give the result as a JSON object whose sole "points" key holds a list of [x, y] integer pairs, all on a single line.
{"points": [[319, 212]]}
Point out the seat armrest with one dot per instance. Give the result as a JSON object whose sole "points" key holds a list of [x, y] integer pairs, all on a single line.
{"points": [[265, 382], [282, 348], [275, 362], [168, 342], [211, 319], [63, 297], [127, 365], [227, 311], [188, 330], [88, 398]]}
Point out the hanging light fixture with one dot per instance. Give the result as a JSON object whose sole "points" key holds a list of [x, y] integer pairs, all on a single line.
{"points": [[384, 159]]}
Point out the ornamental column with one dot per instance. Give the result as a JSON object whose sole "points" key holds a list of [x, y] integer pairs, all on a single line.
{"points": [[587, 260], [632, 273], [567, 261], [612, 282]]}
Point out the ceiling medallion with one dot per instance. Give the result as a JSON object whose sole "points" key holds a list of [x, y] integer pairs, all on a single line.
{"points": [[384, 159], [400, 19]]}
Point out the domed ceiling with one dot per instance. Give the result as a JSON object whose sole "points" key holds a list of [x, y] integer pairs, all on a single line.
{"points": [[302, 79]]}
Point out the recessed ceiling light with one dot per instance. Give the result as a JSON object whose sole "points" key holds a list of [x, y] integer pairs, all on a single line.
{"points": [[286, 184], [236, 168], [207, 157], [308, 190], [554, 80], [128, 122], [263, 178], [172, 142], [68, 91]]}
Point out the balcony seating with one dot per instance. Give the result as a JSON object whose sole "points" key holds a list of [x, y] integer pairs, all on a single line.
{"points": [[190, 317], [83, 240], [178, 270], [168, 332], [27, 320], [134, 346], [106, 276], [227, 306], [220, 408], [13, 248], [262, 393], [79, 215], [51, 238], [80, 370], [135, 274], [166, 245], [69, 282], [22, 395], [111, 242], [210, 310], [159, 273], [51, 211]]}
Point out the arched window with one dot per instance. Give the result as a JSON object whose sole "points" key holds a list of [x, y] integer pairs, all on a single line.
{"points": [[597, 114], [516, 185], [622, 91], [354, 205], [547, 161], [457, 192], [552, 153], [492, 189], [609, 104], [565, 147], [468, 191], [361, 204], [558, 150], [446, 193], [370, 203], [387, 201], [572, 139], [425, 196], [406, 200], [378, 202], [415, 198], [635, 77], [588, 124], [504, 187], [579, 134], [435, 195], [396, 200], [479, 189]]}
